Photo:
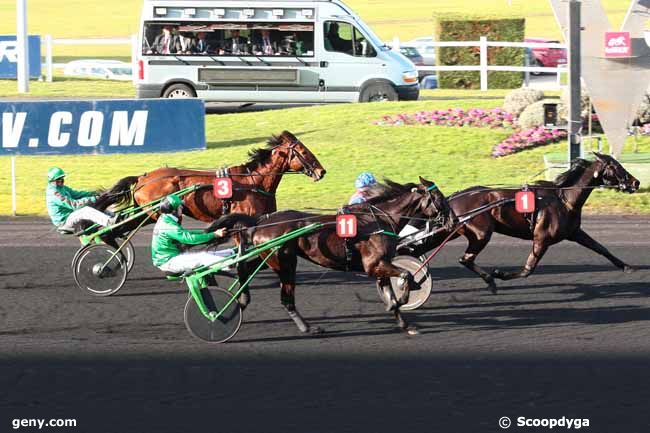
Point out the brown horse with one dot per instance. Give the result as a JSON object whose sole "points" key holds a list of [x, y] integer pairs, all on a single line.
{"points": [[557, 217], [389, 208], [254, 183]]}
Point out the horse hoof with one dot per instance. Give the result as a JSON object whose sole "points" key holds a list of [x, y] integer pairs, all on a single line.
{"points": [[412, 330], [629, 269], [497, 274], [491, 284], [316, 330]]}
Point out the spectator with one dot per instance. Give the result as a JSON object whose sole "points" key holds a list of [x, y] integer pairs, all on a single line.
{"points": [[166, 42], [236, 44]]}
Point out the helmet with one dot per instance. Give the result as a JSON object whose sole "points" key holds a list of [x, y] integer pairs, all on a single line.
{"points": [[170, 204], [55, 173], [365, 179]]}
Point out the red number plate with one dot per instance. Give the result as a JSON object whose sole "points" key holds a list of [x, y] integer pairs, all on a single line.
{"points": [[525, 202], [222, 187], [346, 226]]}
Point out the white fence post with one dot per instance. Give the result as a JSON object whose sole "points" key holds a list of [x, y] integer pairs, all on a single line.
{"points": [[484, 63], [527, 73], [13, 185], [49, 66], [134, 57]]}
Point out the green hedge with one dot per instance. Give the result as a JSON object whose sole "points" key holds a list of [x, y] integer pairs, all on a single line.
{"points": [[464, 28]]}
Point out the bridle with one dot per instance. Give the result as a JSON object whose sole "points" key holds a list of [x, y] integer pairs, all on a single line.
{"points": [[308, 168]]}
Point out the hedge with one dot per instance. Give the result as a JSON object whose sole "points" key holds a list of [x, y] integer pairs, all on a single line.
{"points": [[464, 28]]}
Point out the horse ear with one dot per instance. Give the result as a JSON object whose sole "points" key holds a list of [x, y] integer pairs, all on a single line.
{"points": [[598, 155], [423, 181]]}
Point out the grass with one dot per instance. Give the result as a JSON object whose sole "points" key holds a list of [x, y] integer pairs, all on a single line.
{"points": [[67, 87], [346, 143], [406, 19]]}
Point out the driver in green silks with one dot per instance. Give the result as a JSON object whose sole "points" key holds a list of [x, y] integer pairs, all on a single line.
{"points": [[168, 235]]}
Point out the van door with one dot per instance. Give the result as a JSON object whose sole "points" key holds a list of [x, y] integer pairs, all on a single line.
{"points": [[348, 60]]}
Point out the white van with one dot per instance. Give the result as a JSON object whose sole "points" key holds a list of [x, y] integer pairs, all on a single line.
{"points": [[267, 51]]}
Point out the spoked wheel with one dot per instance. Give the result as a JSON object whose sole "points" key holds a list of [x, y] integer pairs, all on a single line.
{"points": [[223, 328], [129, 254], [128, 251], [420, 286], [99, 270]]}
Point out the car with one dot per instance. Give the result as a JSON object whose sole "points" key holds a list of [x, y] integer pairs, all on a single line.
{"points": [[429, 82], [425, 47], [545, 57], [99, 68], [412, 54]]}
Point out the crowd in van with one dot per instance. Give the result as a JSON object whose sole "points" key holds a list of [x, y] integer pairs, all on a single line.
{"points": [[228, 39]]}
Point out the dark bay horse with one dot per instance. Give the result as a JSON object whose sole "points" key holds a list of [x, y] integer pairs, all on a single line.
{"points": [[389, 208], [254, 183], [557, 217]]}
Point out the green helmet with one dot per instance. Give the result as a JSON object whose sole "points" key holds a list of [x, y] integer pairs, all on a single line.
{"points": [[55, 173], [173, 201]]}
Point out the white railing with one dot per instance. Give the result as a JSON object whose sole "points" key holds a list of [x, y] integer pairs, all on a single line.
{"points": [[483, 66], [50, 42]]}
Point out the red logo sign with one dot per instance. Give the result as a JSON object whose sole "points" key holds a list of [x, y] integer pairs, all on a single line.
{"points": [[222, 187], [346, 226], [525, 202], [618, 44]]}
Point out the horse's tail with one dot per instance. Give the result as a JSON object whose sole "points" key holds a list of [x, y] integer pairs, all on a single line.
{"points": [[233, 221], [120, 194]]}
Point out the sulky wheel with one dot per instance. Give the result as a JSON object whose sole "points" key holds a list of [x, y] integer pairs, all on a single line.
{"points": [[420, 287], [129, 253], [224, 327], [99, 271]]}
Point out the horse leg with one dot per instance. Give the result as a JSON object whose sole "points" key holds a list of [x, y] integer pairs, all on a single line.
{"points": [[539, 249], [476, 243], [582, 238], [383, 270], [242, 274], [285, 265]]}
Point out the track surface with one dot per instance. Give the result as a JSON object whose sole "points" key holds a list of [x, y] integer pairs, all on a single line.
{"points": [[572, 340]]}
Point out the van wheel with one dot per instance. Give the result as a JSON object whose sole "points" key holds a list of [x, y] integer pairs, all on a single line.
{"points": [[378, 92], [179, 91], [537, 64]]}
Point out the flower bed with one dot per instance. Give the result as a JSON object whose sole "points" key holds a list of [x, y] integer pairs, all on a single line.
{"points": [[527, 139], [479, 118], [476, 117]]}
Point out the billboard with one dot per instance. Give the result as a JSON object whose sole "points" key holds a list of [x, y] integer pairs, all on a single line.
{"points": [[101, 126], [9, 57]]}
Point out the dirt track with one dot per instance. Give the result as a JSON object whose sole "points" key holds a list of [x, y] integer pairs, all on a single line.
{"points": [[572, 341]]}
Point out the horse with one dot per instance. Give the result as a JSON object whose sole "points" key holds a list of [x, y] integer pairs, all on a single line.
{"points": [[254, 183], [557, 216], [389, 207]]}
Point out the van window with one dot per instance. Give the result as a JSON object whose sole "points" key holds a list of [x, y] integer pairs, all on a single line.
{"points": [[343, 37], [228, 39]]}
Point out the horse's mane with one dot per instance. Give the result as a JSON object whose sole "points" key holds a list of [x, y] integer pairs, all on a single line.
{"points": [[261, 156], [387, 190], [569, 177]]}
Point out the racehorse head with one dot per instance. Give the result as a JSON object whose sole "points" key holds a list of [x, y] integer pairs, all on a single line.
{"points": [[298, 157], [434, 204], [611, 173], [412, 199]]}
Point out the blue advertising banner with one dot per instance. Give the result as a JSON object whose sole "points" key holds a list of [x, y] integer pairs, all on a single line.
{"points": [[9, 57], [101, 126]]}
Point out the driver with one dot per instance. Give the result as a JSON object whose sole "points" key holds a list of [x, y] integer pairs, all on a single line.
{"points": [[68, 207], [168, 235]]}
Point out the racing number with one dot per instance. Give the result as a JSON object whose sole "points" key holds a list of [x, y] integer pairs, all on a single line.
{"points": [[525, 202], [222, 187], [346, 226]]}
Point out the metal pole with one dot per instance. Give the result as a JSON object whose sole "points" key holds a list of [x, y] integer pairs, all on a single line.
{"points": [[22, 47], [13, 185], [527, 73], [575, 119]]}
